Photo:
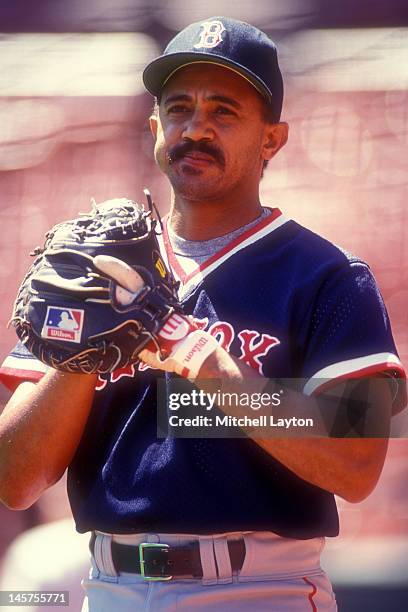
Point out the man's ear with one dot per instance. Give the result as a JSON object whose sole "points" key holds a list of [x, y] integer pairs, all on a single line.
{"points": [[153, 126], [276, 136]]}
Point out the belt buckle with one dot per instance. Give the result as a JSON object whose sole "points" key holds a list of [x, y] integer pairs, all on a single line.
{"points": [[144, 560]]}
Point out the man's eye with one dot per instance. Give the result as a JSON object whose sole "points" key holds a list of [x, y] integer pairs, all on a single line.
{"points": [[177, 108], [224, 110]]}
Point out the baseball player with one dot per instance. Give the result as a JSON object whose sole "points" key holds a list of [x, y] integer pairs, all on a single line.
{"points": [[215, 524]]}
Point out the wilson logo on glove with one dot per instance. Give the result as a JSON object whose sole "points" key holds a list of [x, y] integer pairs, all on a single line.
{"points": [[197, 348], [63, 324], [159, 264], [175, 328]]}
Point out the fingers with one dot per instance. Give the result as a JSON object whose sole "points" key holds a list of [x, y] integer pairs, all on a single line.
{"points": [[123, 296], [153, 360], [121, 272]]}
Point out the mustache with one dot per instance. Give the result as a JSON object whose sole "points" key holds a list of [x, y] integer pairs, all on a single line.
{"points": [[182, 149]]}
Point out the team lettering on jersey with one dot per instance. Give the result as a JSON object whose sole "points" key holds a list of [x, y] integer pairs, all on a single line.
{"points": [[254, 345]]}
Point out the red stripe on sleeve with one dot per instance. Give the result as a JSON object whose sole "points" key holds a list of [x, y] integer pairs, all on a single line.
{"points": [[11, 378]]}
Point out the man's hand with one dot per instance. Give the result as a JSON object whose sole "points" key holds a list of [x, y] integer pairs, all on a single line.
{"points": [[181, 347]]}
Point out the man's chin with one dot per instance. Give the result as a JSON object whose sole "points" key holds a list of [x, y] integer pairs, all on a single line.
{"points": [[195, 186], [197, 195]]}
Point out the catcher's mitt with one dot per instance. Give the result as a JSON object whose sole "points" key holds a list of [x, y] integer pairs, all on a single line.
{"points": [[68, 313]]}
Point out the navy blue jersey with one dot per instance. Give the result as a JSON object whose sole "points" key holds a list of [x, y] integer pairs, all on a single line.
{"points": [[289, 304]]}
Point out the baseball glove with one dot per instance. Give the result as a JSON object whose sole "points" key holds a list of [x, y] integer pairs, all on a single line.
{"points": [[74, 317]]}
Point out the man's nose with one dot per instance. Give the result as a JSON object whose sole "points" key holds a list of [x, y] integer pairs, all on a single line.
{"points": [[197, 127]]}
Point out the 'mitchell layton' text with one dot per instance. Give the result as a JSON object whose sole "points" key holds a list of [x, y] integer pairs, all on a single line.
{"points": [[195, 398]]}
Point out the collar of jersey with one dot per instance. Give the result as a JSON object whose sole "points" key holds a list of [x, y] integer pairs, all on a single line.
{"points": [[193, 278]]}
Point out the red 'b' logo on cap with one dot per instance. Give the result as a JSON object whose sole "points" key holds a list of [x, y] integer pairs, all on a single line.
{"points": [[210, 36]]}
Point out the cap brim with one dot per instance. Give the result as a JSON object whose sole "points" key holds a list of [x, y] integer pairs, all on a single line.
{"points": [[160, 70]]}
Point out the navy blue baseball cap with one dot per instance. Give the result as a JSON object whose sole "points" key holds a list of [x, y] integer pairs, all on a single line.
{"points": [[226, 42]]}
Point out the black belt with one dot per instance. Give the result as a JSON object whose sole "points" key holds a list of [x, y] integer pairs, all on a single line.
{"points": [[163, 562]]}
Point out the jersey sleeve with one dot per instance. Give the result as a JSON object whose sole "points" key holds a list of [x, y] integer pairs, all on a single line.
{"points": [[348, 334], [21, 366]]}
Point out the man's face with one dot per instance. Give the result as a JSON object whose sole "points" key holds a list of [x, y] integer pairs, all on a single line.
{"points": [[210, 133]]}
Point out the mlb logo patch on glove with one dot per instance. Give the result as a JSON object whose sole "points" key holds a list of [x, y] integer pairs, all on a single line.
{"points": [[64, 324]]}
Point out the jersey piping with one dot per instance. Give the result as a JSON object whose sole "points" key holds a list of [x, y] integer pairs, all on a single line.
{"points": [[190, 280], [361, 367], [16, 369]]}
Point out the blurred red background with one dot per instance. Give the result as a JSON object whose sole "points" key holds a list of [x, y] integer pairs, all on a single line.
{"points": [[343, 174]]}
